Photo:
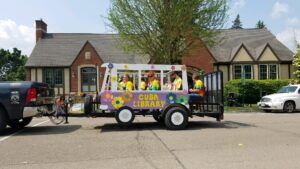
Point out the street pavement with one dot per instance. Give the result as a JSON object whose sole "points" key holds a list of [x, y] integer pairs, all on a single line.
{"points": [[241, 140]]}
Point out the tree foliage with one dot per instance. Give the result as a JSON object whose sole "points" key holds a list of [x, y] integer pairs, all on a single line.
{"points": [[296, 62], [237, 24], [12, 65], [166, 29], [260, 25]]}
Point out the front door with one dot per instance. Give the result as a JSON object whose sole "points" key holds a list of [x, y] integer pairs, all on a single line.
{"points": [[88, 79]]}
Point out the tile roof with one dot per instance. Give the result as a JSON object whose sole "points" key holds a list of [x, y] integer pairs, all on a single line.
{"points": [[254, 40], [60, 50]]}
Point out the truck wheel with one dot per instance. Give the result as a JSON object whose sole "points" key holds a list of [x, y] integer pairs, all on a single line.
{"points": [[288, 107], [3, 120], [176, 118], [19, 123], [124, 116]]}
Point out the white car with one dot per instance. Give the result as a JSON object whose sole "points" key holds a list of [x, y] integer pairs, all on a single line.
{"points": [[287, 99]]}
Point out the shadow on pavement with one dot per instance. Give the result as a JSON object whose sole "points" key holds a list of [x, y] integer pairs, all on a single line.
{"points": [[43, 130], [193, 125]]}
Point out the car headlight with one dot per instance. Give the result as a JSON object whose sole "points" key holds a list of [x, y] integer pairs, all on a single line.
{"points": [[277, 100]]}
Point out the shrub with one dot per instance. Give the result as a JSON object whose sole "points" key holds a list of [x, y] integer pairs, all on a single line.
{"points": [[252, 90]]}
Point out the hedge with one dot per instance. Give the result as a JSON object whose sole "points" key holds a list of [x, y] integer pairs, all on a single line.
{"points": [[251, 91]]}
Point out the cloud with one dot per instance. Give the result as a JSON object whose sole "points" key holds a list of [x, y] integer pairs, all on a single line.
{"points": [[279, 9], [289, 37], [236, 6], [293, 21], [19, 36]]}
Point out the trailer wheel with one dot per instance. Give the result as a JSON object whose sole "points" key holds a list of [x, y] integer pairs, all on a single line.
{"points": [[124, 116], [3, 120], [176, 118], [18, 124]]}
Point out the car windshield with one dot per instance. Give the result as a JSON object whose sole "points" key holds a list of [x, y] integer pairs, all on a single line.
{"points": [[287, 89]]}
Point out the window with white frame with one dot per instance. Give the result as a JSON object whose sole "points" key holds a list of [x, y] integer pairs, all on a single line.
{"points": [[268, 71], [240, 71]]}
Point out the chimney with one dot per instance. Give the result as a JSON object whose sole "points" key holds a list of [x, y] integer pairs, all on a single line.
{"points": [[41, 28]]}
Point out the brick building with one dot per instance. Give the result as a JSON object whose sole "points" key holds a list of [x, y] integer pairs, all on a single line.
{"points": [[71, 61]]}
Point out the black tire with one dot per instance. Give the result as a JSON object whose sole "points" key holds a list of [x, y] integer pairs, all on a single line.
{"points": [[157, 116], [267, 111], [124, 116], [176, 118], [88, 106], [289, 107], [3, 120], [18, 124]]}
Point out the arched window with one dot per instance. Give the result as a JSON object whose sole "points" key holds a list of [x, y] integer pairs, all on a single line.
{"points": [[88, 79]]}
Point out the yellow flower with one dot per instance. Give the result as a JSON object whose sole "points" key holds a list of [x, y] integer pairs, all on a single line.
{"points": [[126, 66], [117, 102], [183, 67], [114, 78]]}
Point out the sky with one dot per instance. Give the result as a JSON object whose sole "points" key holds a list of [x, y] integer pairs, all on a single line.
{"points": [[17, 19]]}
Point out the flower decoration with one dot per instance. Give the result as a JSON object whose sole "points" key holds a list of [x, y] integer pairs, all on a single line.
{"points": [[127, 96], [107, 96], [173, 68], [114, 78], [117, 102], [110, 66], [171, 98], [152, 67], [183, 67], [185, 91], [182, 100], [125, 66]]}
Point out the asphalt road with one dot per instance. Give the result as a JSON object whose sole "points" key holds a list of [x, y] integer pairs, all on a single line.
{"points": [[243, 140]]}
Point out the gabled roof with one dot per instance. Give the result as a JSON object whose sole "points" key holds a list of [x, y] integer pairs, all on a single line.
{"points": [[254, 40], [61, 49]]}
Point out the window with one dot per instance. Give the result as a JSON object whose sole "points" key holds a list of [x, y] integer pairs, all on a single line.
{"points": [[88, 79], [53, 76], [240, 71], [87, 55], [268, 71], [127, 80]]}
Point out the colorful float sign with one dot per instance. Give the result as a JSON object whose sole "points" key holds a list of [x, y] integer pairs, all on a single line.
{"points": [[142, 100]]}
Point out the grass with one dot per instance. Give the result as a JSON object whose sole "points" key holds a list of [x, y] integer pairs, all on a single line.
{"points": [[245, 108]]}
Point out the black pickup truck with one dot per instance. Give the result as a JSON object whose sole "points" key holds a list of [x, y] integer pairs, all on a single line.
{"points": [[20, 101]]}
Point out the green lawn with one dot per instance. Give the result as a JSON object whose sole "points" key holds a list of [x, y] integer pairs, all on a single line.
{"points": [[246, 108]]}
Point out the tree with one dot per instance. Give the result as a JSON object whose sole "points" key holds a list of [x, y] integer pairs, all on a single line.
{"points": [[12, 65], [260, 25], [296, 62], [166, 29], [237, 24]]}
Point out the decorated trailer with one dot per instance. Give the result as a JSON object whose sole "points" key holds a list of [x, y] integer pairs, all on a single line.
{"points": [[162, 91]]}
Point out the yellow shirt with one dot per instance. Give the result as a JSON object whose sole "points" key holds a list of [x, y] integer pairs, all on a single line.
{"points": [[126, 86], [177, 83]]}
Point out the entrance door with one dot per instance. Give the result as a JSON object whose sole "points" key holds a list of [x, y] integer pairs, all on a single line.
{"points": [[88, 79]]}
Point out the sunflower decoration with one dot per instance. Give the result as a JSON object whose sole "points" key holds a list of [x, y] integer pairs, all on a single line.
{"points": [[114, 78], [127, 96], [182, 100], [171, 98], [117, 102], [107, 96], [183, 67], [125, 66]]}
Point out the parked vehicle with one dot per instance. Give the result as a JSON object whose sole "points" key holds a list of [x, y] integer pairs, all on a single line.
{"points": [[20, 101], [172, 107], [287, 99]]}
